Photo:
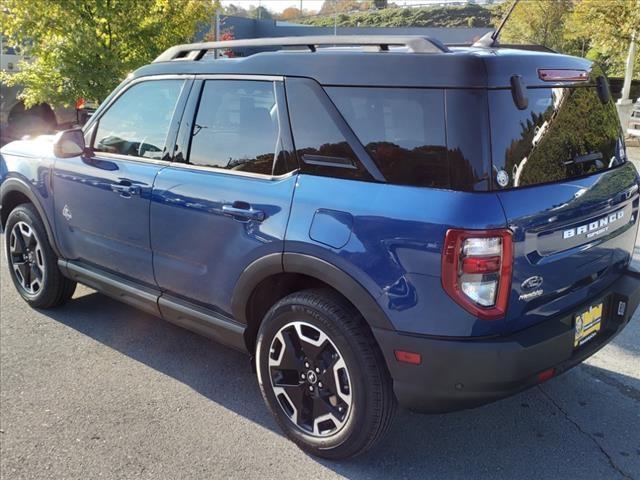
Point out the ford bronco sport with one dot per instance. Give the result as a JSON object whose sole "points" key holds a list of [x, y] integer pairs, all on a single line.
{"points": [[382, 221]]}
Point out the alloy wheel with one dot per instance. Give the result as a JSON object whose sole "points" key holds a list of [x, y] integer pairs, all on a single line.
{"points": [[26, 258], [310, 379]]}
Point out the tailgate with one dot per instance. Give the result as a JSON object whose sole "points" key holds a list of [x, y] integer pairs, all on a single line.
{"points": [[571, 200]]}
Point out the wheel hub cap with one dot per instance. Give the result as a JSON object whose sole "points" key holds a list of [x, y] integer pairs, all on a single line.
{"points": [[310, 379]]}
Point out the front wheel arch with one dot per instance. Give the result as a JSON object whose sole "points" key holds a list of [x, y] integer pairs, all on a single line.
{"points": [[14, 192]]}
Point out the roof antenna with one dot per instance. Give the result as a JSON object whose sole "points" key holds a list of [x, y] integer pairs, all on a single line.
{"points": [[490, 39]]}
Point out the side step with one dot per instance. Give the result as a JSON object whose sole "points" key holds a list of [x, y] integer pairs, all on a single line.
{"points": [[175, 310]]}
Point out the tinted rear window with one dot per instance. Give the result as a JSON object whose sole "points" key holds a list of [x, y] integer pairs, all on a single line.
{"points": [[402, 129], [564, 133]]}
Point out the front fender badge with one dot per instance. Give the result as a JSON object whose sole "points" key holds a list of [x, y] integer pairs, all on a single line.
{"points": [[66, 213]]}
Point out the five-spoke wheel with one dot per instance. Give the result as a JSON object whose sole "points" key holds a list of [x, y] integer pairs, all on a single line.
{"points": [[26, 258], [310, 379]]}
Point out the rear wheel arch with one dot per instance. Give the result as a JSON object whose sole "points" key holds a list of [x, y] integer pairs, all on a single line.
{"points": [[273, 277], [14, 192]]}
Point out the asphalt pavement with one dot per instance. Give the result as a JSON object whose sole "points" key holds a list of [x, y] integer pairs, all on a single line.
{"points": [[96, 389]]}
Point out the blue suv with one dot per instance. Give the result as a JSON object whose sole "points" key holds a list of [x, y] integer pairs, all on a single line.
{"points": [[375, 220]]}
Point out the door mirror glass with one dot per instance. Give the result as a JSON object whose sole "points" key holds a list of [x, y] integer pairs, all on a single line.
{"points": [[69, 143]]}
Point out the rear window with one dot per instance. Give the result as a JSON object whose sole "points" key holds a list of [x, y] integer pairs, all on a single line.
{"points": [[564, 133]]}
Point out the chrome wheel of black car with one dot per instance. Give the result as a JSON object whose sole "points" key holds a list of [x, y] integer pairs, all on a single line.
{"points": [[310, 379], [27, 258]]}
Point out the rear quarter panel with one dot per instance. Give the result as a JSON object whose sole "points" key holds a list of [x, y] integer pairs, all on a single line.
{"points": [[389, 238]]}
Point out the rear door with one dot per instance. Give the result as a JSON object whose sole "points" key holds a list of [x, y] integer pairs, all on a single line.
{"points": [[225, 201], [571, 197], [102, 200]]}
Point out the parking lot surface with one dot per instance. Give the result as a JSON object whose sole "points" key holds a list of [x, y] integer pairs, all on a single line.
{"points": [[97, 389]]}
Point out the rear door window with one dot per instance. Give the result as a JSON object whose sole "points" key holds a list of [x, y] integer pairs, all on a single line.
{"points": [[564, 133], [236, 127]]}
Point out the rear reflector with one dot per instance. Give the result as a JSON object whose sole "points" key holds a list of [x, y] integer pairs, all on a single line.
{"points": [[408, 357], [562, 75], [546, 375]]}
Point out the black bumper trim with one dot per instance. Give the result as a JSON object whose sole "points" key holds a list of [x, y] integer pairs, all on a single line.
{"points": [[459, 374]]}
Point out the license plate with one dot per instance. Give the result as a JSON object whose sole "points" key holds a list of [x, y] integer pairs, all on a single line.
{"points": [[587, 324]]}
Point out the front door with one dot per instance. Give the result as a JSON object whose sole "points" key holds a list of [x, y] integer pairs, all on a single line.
{"points": [[228, 202], [102, 199]]}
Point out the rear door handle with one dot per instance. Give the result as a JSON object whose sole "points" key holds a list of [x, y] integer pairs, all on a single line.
{"points": [[243, 211]]}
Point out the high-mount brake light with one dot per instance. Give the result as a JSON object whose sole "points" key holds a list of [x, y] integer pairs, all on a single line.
{"points": [[476, 270], [562, 75]]}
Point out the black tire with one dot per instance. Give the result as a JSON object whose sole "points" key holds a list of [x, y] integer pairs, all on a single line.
{"points": [[363, 389], [35, 255]]}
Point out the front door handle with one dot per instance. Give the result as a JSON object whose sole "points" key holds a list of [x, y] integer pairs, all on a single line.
{"points": [[243, 211], [125, 189]]}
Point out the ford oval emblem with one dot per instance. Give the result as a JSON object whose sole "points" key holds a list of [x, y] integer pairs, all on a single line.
{"points": [[532, 282]]}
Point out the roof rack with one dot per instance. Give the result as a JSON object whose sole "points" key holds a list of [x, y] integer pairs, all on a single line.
{"points": [[415, 44]]}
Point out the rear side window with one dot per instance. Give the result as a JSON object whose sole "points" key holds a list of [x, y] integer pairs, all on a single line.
{"points": [[319, 141], [402, 129], [564, 133], [138, 121], [236, 126]]}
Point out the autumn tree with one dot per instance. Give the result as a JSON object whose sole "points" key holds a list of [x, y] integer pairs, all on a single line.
{"points": [[290, 13], [84, 48]]}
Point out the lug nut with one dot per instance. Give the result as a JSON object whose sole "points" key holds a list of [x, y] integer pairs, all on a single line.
{"points": [[303, 376], [319, 384], [306, 364], [317, 370], [311, 388]]}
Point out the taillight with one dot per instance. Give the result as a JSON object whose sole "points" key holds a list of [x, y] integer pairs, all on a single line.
{"points": [[476, 270]]}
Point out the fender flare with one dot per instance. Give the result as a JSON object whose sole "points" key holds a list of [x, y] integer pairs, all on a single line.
{"points": [[14, 184], [311, 266]]}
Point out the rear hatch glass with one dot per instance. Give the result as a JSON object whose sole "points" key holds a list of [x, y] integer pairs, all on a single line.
{"points": [[564, 133]]}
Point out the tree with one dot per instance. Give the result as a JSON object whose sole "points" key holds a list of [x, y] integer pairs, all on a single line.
{"points": [[606, 28], [290, 13], [539, 22], [84, 48], [380, 4]]}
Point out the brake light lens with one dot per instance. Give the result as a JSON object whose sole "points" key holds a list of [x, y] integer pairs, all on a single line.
{"points": [[562, 75], [476, 270]]}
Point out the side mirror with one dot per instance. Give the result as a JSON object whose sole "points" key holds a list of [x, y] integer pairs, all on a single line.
{"points": [[69, 143]]}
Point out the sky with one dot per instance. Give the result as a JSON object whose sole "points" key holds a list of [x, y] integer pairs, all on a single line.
{"points": [[280, 5]]}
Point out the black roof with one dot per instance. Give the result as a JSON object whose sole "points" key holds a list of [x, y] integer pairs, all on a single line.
{"points": [[456, 67]]}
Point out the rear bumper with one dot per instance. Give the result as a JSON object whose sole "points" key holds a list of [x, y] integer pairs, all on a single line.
{"points": [[459, 374]]}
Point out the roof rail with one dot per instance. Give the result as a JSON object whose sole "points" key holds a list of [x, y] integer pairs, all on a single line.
{"points": [[195, 51]]}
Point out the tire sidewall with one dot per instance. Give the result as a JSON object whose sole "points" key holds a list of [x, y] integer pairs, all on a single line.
{"points": [[277, 318], [27, 215]]}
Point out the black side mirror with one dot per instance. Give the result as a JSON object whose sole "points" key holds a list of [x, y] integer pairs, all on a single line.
{"points": [[69, 143]]}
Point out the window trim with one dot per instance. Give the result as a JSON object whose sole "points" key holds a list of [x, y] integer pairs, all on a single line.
{"points": [[94, 124], [191, 111]]}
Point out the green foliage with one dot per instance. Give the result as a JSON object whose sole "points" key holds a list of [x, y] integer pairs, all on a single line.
{"points": [[606, 28], [84, 48], [600, 30], [538, 22], [462, 16]]}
